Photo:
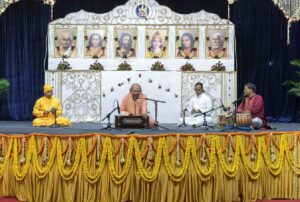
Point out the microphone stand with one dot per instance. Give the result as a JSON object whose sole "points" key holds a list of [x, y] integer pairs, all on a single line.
{"points": [[156, 125], [55, 125], [183, 124], [205, 125], [108, 126]]}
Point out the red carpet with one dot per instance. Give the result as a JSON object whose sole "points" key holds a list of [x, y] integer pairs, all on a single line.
{"points": [[9, 200]]}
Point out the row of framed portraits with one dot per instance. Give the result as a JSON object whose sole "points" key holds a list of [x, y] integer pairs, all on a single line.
{"points": [[156, 43]]}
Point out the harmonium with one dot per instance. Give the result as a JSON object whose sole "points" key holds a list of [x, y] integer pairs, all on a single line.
{"points": [[131, 121]]}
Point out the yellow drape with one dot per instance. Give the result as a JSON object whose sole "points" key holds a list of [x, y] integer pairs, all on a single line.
{"points": [[172, 167]]}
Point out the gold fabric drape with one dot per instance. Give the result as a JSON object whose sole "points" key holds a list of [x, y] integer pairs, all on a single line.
{"points": [[169, 167]]}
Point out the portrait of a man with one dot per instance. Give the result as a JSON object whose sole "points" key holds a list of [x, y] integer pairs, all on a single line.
{"points": [[187, 44], [216, 44], [126, 44], [95, 42], [156, 43], [65, 43]]}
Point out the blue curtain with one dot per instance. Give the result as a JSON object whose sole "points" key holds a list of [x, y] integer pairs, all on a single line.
{"points": [[23, 28], [262, 53]]}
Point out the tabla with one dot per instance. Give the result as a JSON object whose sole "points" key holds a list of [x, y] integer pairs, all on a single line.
{"points": [[243, 119], [226, 119]]}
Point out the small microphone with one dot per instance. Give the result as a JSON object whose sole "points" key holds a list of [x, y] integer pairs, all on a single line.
{"points": [[118, 107], [185, 109], [241, 97], [222, 105], [134, 98]]}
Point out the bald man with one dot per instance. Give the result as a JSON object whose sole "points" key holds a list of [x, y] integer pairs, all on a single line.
{"points": [[66, 48], [45, 109], [135, 104]]}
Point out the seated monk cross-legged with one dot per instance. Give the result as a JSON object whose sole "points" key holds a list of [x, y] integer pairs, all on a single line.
{"points": [[45, 109]]}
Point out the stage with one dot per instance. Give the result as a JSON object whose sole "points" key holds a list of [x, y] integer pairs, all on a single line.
{"points": [[89, 164], [25, 127]]}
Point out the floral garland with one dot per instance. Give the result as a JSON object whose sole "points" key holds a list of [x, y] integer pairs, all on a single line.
{"points": [[230, 172], [6, 156], [149, 177], [201, 172], [204, 168], [118, 179], [69, 172]]}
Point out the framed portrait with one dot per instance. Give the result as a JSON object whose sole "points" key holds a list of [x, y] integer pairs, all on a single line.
{"points": [[187, 43], [125, 43], [95, 41], [65, 43], [216, 44], [156, 43]]}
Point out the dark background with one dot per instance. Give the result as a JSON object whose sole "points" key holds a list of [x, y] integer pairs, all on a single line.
{"points": [[261, 48]]}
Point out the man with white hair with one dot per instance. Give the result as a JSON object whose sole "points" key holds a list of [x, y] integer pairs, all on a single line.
{"points": [[135, 103], [65, 48], [216, 48]]}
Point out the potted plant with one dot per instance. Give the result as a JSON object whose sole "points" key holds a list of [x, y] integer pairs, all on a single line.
{"points": [[188, 67], [295, 89], [218, 67], [295, 84], [4, 86], [157, 66], [96, 66], [124, 67], [64, 65]]}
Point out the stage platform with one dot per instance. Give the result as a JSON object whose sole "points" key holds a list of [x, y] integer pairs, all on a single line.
{"points": [[25, 127]]}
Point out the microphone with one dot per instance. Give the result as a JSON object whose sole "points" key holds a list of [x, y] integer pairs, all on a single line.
{"points": [[241, 97], [118, 107], [222, 105], [134, 98], [185, 109]]}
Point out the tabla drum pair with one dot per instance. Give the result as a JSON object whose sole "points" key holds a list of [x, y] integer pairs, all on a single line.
{"points": [[242, 119]]}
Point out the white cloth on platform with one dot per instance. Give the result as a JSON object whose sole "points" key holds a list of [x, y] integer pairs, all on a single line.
{"points": [[201, 102]]}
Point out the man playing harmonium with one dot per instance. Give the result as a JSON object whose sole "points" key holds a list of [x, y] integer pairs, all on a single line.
{"points": [[199, 103], [254, 104], [135, 103]]}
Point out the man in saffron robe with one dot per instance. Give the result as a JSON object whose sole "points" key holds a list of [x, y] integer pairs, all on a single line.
{"points": [[135, 103], [254, 104], [45, 109]]}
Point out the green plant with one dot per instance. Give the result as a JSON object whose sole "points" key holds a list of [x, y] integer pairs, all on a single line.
{"points": [[64, 65], [218, 67], [124, 67], [187, 67], [96, 66], [4, 86], [158, 66], [295, 90]]}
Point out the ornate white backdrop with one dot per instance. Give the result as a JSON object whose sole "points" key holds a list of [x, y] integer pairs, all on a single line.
{"points": [[87, 96], [125, 17]]}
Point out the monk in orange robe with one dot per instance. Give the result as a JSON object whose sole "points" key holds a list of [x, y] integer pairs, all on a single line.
{"points": [[135, 104], [45, 109]]}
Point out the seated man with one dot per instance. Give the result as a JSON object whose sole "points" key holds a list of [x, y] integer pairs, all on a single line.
{"points": [[45, 109], [254, 104], [135, 104], [198, 103]]}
